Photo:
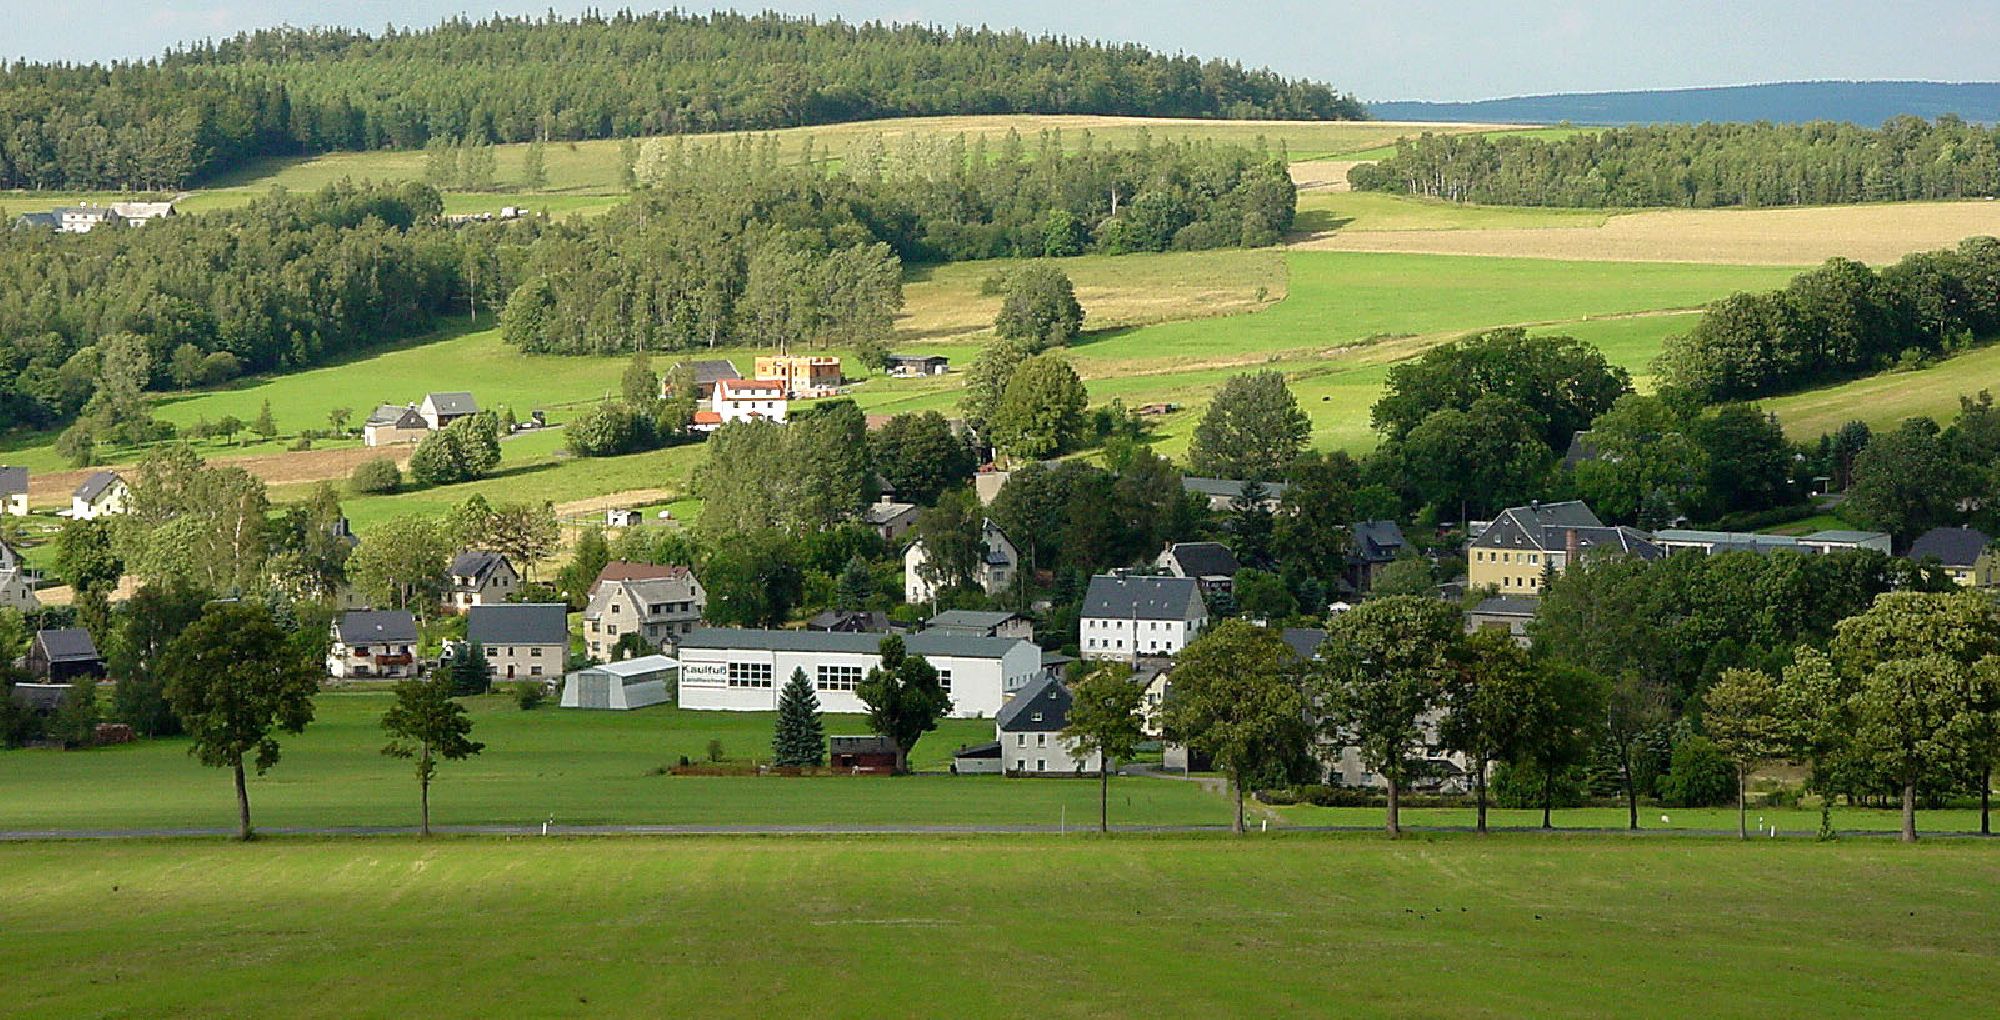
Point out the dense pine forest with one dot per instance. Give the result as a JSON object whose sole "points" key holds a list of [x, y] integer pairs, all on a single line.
{"points": [[1707, 165], [728, 241], [1840, 321], [287, 282], [200, 110]]}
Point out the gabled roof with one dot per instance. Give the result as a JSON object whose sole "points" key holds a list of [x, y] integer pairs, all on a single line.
{"points": [[917, 359], [525, 623], [849, 621], [628, 570], [13, 481], [1543, 526], [638, 666], [878, 514], [396, 416], [96, 484], [455, 402], [1227, 488], [1120, 597], [375, 626], [1303, 641], [1040, 707], [708, 373], [1581, 448], [38, 219], [758, 388], [1203, 559], [71, 644], [476, 564], [1377, 541], [1953, 547]]}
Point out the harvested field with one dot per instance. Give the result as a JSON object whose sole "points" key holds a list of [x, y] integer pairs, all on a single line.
{"points": [[1116, 291], [1870, 233], [1323, 174], [290, 468]]}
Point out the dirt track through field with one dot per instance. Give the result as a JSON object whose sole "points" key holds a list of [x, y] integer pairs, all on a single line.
{"points": [[288, 468], [1764, 237]]}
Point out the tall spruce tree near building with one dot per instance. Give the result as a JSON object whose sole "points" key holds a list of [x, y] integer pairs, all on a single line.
{"points": [[469, 672], [800, 739]]}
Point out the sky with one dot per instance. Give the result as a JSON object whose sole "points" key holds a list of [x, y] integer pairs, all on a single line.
{"points": [[1402, 49]]}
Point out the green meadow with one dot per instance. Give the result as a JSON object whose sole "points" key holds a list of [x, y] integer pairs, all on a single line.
{"points": [[1885, 399], [1001, 925], [579, 768]]}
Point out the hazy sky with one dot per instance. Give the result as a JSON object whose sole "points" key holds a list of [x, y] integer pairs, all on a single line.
{"points": [[1378, 49]]}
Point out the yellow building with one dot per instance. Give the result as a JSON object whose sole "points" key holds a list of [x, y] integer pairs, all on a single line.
{"points": [[1526, 545], [1965, 553], [804, 375]]}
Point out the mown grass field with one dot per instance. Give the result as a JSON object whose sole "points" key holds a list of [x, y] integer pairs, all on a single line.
{"points": [[579, 768], [1884, 400], [990, 926]]}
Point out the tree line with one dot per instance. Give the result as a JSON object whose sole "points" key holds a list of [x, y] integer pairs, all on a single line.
{"points": [[207, 107], [1840, 321], [1700, 165], [727, 241]]}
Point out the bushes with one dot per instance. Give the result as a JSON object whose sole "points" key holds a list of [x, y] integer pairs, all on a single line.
{"points": [[609, 429], [375, 477], [1521, 787], [530, 696], [1698, 776]]}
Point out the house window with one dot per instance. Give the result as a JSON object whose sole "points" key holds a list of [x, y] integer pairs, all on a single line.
{"points": [[361, 649], [535, 652], [944, 680], [1041, 740], [1020, 740], [534, 671], [1041, 765], [749, 674], [838, 678]]}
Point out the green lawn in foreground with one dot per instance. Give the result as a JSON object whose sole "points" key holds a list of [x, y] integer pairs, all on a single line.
{"points": [[1790, 821], [578, 767], [999, 926]]}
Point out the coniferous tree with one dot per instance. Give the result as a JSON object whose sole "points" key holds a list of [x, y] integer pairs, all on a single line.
{"points": [[800, 739]]}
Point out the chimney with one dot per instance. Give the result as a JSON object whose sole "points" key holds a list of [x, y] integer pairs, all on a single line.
{"points": [[1572, 548]]}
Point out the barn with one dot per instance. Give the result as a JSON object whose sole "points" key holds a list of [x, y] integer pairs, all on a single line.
{"points": [[621, 686]]}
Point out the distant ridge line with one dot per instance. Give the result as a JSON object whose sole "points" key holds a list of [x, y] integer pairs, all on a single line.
{"points": [[1867, 103]]}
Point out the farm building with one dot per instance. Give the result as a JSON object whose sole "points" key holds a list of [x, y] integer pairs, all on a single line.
{"points": [[60, 656], [907, 366], [622, 686], [979, 759], [868, 754], [735, 670], [391, 425]]}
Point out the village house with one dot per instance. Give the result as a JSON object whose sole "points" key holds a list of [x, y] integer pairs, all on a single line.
{"points": [[976, 623], [82, 219], [373, 644], [480, 577], [908, 366], [803, 376], [743, 400], [1372, 546], [889, 519], [1127, 617], [64, 656], [1029, 729], [994, 573], [1525, 545], [441, 409], [520, 640], [658, 603], [1223, 493], [138, 214], [1966, 554], [391, 425], [14, 491], [17, 582], [851, 621], [1211, 564], [103, 494], [1509, 613], [735, 670]]}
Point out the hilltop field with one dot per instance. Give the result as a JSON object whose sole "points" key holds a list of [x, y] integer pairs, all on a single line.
{"points": [[1368, 279]]}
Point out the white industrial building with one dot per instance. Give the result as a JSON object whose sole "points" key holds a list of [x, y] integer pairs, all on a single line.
{"points": [[734, 670], [620, 686]]}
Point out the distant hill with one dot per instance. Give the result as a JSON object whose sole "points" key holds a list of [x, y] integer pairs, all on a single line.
{"points": [[1867, 103]]}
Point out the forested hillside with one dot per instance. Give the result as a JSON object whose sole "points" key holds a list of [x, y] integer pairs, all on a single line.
{"points": [[729, 241], [200, 110], [1706, 165]]}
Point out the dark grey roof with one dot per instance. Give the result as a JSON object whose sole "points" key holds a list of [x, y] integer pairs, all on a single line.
{"points": [[1040, 707], [38, 219], [707, 373], [41, 697], [526, 623], [1547, 527], [1505, 605], [95, 485], [990, 749], [475, 563], [1303, 641], [13, 481], [1112, 596], [872, 744], [852, 621], [1581, 448], [878, 514], [968, 621], [918, 359], [1227, 488], [1953, 547], [455, 402], [1204, 559], [1377, 541], [71, 644], [366, 626], [809, 641]]}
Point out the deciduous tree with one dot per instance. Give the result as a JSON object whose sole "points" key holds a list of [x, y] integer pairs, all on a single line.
{"points": [[427, 727], [904, 698], [1237, 701], [1105, 720]]}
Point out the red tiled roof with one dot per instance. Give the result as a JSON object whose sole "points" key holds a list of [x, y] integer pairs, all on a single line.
{"points": [[707, 418], [728, 386]]}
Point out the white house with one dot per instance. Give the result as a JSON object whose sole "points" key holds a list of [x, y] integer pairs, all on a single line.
{"points": [[138, 214], [1126, 617], [480, 578], [373, 643], [441, 409], [1030, 728], [17, 587], [82, 219], [621, 686], [994, 573], [890, 519], [731, 670], [14, 491], [660, 604], [101, 495], [748, 400], [527, 639], [1210, 563]]}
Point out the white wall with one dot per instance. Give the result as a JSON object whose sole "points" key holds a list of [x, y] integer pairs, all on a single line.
{"points": [[978, 685], [1042, 752], [1118, 638]]}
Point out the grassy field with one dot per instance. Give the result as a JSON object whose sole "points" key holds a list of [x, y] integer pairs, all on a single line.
{"points": [[580, 768], [1794, 822], [1885, 400], [1082, 927], [1323, 211]]}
